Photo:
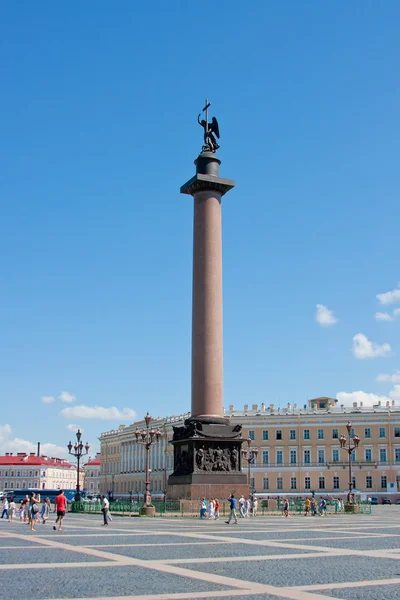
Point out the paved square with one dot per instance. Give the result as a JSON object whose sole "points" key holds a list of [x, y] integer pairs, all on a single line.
{"points": [[266, 558]]}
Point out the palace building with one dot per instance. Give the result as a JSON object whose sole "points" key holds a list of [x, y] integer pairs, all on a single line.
{"points": [[299, 450], [22, 471]]}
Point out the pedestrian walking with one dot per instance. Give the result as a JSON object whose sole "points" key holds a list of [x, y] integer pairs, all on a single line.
{"points": [[5, 509], [232, 514], [211, 509], [285, 508], [322, 507], [203, 509], [21, 510], [61, 508], [44, 515], [313, 507]]}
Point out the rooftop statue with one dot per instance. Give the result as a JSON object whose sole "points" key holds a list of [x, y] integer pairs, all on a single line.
{"points": [[211, 131]]}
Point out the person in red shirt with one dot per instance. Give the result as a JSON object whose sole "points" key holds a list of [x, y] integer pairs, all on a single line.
{"points": [[61, 508]]}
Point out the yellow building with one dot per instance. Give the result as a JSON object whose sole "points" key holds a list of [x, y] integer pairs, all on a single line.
{"points": [[298, 450]]}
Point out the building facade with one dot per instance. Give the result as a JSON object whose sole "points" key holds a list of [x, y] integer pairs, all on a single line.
{"points": [[298, 450], [22, 470], [92, 475]]}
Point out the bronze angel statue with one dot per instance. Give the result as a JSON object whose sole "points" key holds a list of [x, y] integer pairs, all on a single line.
{"points": [[211, 131]]}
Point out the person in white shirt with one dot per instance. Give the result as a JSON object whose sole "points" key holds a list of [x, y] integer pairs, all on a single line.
{"points": [[5, 509], [11, 509], [105, 509], [241, 506]]}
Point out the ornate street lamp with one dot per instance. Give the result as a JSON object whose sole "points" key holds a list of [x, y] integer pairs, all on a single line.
{"points": [[250, 455], [349, 444], [77, 450], [147, 438]]}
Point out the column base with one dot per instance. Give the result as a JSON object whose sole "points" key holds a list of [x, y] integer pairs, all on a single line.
{"points": [[147, 511]]}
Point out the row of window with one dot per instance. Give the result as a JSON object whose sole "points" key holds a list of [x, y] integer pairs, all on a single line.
{"points": [[321, 483], [10, 485], [321, 457], [321, 434], [20, 473]]}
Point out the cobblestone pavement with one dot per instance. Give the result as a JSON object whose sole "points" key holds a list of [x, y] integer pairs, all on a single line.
{"points": [[349, 557]]}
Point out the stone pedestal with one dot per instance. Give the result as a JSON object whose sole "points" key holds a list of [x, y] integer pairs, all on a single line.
{"points": [[207, 461]]}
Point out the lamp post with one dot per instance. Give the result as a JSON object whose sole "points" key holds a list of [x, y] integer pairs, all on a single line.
{"points": [[76, 450], [147, 437], [250, 455], [349, 444]]}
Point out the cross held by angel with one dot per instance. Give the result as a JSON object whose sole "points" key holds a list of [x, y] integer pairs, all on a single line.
{"points": [[211, 131]]}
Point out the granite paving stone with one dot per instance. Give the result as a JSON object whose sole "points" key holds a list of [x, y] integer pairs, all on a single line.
{"points": [[292, 572], [103, 581], [23, 556], [373, 592]]}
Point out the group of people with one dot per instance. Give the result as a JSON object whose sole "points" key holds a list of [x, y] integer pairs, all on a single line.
{"points": [[210, 509], [311, 507], [245, 505], [32, 513]]}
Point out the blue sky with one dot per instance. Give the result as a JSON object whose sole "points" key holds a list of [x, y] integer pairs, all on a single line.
{"points": [[99, 104]]}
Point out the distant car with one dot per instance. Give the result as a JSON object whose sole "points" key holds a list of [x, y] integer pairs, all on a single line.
{"points": [[374, 500], [386, 501], [397, 501]]}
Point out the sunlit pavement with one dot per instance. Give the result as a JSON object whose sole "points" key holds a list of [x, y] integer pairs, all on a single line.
{"points": [[303, 558]]}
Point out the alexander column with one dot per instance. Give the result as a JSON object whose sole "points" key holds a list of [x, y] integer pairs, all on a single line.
{"points": [[207, 458]]}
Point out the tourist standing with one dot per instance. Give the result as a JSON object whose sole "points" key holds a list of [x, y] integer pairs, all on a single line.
{"points": [[232, 514], [45, 510], [211, 509], [11, 510], [34, 502], [105, 508], [241, 506], [61, 508], [216, 507], [247, 507], [286, 507], [203, 509], [255, 506], [307, 507]]}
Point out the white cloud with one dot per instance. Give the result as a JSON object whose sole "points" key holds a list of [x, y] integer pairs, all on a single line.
{"points": [[324, 316], [364, 348], [74, 428], [67, 397], [395, 393], [383, 316], [47, 399], [396, 312], [392, 297], [368, 400], [10, 444], [385, 377], [100, 413]]}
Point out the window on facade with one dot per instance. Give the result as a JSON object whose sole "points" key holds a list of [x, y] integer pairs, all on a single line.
{"points": [[278, 434], [382, 455], [293, 457], [335, 455], [336, 483], [293, 483], [335, 434], [397, 455], [6, 474], [307, 457], [265, 457], [382, 432], [12, 474], [320, 434], [279, 457], [307, 483], [5, 485], [367, 432], [265, 435], [384, 482], [397, 432], [251, 434], [321, 457], [368, 454], [306, 434], [368, 482], [11, 485], [265, 483], [321, 483], [279, 483], [292, 434], [30, 473]]}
